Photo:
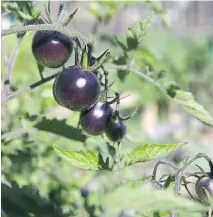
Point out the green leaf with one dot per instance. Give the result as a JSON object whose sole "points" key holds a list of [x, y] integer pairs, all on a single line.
{"points": [[84, 58], [69, 18], [121, 44], [140, 181], [188, 101], [184, 161], [137, 32], [170, 182], [122, 74], [3, 214], [146, 199], [111, 150], [104, 164], [60, 128], [101, 59], [149, 152], [20, 202], [156, 7], [109, 39], [155, 214], [79, 159]]}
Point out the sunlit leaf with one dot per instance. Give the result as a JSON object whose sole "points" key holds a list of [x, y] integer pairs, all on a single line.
{"points": [[188, 101], [137, 32], [149, 152], [155, 214], [156, 7], [82, 160], [140, 181]]}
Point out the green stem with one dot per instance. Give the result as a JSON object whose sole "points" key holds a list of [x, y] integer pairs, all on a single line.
{"points": [[141, 74], [118, 163], [45, 27], [85, 59], [210, 212], [28, 88], [154, 174], [9, 65]]}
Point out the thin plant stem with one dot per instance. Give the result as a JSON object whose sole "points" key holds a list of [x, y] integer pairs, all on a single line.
{"points": [[4, 51], [44, 27], [9, 64], [119, 164], [6, 96], [141, 74], [210, 212], [115, 67], [187, 189], [179, 173], [29, 88], [106, 82], [173, 214], [159, 163]]}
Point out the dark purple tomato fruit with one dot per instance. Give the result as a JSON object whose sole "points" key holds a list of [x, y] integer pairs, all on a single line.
{"points": [[84, 192], [207, 184], [95, 120], [116, 130], [76, 89], [51, 49]]}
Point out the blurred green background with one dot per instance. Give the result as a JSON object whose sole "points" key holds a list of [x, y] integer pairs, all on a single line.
{"points": [[178, 41]]}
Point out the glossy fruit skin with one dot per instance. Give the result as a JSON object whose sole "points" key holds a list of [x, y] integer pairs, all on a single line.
{"points": [[116, 130], [207, 183], [76, 89], [95, 120], [51, 49]]}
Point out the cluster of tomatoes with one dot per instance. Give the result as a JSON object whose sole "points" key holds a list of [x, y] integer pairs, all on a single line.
{"points": [[77, 88]]}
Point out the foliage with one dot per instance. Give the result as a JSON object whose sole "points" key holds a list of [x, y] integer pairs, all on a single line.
{"points": [[149, 152], [126, 197], [47, 160]]}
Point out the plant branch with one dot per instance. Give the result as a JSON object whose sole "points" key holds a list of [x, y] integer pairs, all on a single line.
{"points": [[180, 171], [44, 27], [114, 67], [29, 88], [210, 212], [4, 51], [6, 95], [141, 74], [9, 64], [118, 164], [159, 163]]}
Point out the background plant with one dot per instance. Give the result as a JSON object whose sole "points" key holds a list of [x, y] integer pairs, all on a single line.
{"points": [[31, 125]]}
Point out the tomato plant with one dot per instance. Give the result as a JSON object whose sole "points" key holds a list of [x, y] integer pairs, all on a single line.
{"points": [[69, 145]]}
